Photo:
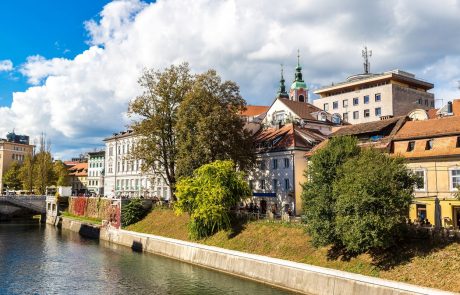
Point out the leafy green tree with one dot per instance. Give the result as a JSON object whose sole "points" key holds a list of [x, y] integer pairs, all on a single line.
{"points": [[61, 173], [208, 195], [317, 195], [374, 192], [155, 116], [26, 173], [11, 178], [43, 169], [209, 127]]}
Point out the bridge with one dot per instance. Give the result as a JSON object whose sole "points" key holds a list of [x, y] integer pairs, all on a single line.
{"points": [[21, 206]]}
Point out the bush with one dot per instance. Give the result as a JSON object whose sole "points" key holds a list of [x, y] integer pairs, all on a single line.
{"points": [[132, 212], [209, 195]]}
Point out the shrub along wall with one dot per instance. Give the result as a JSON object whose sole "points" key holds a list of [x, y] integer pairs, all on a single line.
{"points": [[90, 207]]}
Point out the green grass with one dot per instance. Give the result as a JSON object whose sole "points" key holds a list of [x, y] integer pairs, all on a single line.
{"points": [[420, 263], [82, 218]]}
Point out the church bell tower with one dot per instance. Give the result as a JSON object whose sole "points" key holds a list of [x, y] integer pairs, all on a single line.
{"points": [[299, 89]]}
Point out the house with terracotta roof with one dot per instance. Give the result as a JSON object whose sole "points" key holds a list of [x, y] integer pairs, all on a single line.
{"points": [[432, 149], [254, 113], [78, 174], [279, 171]]}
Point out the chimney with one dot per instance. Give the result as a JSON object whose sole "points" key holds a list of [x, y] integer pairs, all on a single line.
{"points": [[456, 107], [449, 107]]}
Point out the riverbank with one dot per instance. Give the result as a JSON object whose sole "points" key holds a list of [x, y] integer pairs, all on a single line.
{"points": [[421, 263]]}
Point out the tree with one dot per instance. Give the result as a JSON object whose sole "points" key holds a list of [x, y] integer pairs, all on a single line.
{"points": [[209, 127], [208, 195], [155, 114], [43, 169], [26, 173], [374, 192], [317, 195], [61, 173], [11, 178]]}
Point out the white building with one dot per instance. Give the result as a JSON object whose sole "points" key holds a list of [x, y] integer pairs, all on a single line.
{"points": [[123, 174], [368, 97], [96, 164]]}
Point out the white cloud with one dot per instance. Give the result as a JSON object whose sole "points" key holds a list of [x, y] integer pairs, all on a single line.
{"points": [[79, 101], [6, 65]]}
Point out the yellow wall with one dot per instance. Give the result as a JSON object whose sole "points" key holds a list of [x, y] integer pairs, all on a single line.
{"points": [[300, 163]]}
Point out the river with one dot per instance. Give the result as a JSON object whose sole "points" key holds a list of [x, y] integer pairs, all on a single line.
{"points": [[40, 259]]}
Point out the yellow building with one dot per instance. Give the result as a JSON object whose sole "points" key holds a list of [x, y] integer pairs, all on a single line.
{"points": [[13, 149], [432, 149]]}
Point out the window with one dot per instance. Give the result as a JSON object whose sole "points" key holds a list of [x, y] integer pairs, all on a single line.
{"points": [[458, 142], [275, 163], [419, 101], [326, 107], [454, 178], [262, 184], [378, 112], [355, 115], [421, 212], [251, 184], [366, 113], [410, 146], [432, 104], [301, 98], [275, 185], [345, 117], [287, 186], [429, 145], [421, 182], [355, 101], [335, 105], [345, 103], [426, 102], [286, 162], [262, 165], [378, 97], [366, 99], [279, 117]]}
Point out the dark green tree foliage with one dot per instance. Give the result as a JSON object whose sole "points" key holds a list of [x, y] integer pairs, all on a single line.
{"points": [[11, 179], [373, 194], [209, 127], [318, 198], [155, 114], [43, 167], [132, 212], [208, 196]]}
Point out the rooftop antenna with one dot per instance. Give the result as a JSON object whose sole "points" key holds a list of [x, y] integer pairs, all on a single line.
{"points": [[366, 54]]}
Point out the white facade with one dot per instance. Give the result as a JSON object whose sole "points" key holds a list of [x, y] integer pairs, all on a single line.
{"points": [[367, 98], [96, 164], [272, 180], [124, 176]]}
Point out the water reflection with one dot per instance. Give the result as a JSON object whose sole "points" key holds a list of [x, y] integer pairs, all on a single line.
{"points": [[42, 260]]}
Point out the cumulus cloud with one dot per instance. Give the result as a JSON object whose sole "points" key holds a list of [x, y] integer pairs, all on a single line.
{"points": [[79, 101], [6, 65]]}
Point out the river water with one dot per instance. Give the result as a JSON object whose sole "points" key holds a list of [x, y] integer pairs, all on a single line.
{"points": [[39, 259]]}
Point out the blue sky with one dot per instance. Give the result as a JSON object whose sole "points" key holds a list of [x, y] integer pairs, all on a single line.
{"points": [[48, 28]]}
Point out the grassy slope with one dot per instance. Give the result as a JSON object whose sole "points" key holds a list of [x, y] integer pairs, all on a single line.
{"points": [[433, 268], [82, 218]]}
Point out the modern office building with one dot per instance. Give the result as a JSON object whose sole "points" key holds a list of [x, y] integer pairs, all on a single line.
{"points": [[370, 97]]}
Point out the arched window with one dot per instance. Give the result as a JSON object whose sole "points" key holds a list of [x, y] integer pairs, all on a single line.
{"points": [[301, 98]]}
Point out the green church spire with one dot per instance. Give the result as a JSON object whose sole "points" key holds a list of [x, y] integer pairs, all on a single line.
{"points": [[298, 80], [282, 89]]}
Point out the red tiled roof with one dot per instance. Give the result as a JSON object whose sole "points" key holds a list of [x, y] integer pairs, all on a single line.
{"points": [[429, 128], [303, 109], [288, 136], [254, 110], [368, 127], [432, 113]]}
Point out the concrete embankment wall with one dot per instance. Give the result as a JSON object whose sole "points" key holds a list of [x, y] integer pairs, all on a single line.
{"points": [[281, 273]]}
